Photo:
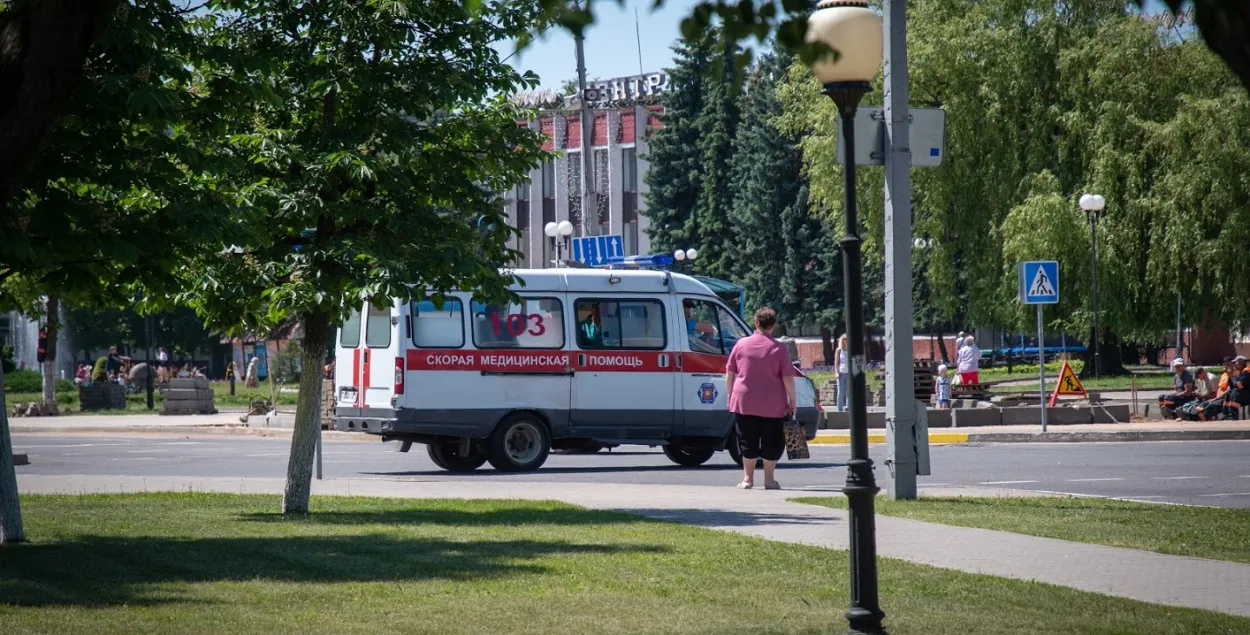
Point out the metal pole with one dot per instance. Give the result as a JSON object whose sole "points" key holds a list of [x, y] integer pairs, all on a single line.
{"points": [[1041, 366], [320, 404], [1180, 341], [587, 125], [1093, 241], [900, 391], [864, 615], [151, 367]]}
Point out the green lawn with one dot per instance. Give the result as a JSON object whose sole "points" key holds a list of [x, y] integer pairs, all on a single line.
{"points": [[138, 403], [208, 564], [1203, 532]]}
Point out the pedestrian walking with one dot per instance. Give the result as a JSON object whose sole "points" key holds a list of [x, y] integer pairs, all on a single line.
{"points": [[841, 361], [969, 359], [760, 381]]}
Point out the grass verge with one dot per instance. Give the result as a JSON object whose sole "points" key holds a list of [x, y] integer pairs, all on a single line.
{"points": [[1203, 532], [207, 564]]}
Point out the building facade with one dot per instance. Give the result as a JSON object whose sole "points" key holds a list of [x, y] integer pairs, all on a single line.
{"points": [[624, 117]]}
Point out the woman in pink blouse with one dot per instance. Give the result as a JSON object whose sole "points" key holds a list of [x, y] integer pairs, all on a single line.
{"points": [[760, 380]]}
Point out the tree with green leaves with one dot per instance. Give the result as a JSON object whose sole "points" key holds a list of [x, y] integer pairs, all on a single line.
{"points": [[711, 228], [674, 180], [120, 192], [372, 167]]}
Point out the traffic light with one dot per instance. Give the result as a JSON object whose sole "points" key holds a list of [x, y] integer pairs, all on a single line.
{"points": [[43, 345]]}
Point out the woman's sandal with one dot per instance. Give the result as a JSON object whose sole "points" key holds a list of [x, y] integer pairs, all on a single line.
{"points": [[772, 485], [746, 485]]}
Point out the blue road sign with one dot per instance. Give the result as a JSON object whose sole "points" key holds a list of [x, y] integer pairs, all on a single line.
{"points": [[596, 250], [1039, 282]]}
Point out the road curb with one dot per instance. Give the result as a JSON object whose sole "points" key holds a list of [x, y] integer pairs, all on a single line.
{"points": [[204, 430], [937, 438], [1094, 437]]}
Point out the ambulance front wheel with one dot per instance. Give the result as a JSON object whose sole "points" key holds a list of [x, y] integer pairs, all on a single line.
{"points": [[735, 451], [520, 443], [446, 454]]}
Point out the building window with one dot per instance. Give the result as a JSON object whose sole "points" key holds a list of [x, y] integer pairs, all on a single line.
{"points": [[575, 188], [433, 327], [549, 180], [620, 324], [530, 323], [523, 191], [630, 239], [629, 169]]}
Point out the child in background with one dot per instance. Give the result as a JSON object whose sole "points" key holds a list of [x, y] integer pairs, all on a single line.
{"points": [[943, 388]]}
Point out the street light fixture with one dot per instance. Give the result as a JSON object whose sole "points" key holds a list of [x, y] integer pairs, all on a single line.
{"points": [[559, 234], [686, 254], [1093, 204], [853, 29]]}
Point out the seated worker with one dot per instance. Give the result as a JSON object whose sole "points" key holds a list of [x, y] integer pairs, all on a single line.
{"points": [[1210, 408], [1238, 394], [1204, 384], [590, 329], [1183, 384], [702, 334]]}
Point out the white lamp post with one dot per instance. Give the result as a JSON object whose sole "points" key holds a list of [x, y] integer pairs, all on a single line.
{"points": [[682, 255], [853, 30], [559, 234], [1093, 204]]}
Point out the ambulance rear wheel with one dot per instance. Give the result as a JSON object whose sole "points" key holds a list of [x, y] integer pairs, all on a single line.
{"points": [[519, 444], [446, 454], [688, 457]]}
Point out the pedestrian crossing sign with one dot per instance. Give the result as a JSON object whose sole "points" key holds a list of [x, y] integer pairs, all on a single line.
{"points": [[1039, 282], [1068, 385]]}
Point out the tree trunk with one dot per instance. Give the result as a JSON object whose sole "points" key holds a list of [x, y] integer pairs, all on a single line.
{"points": [[1111, 361], [299, 469], [10, 506], [941, 338], [43, 44], [826, 345], [49, 355]]}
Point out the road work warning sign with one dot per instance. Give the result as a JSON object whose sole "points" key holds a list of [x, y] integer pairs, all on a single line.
{"points": [[1068, 385]]}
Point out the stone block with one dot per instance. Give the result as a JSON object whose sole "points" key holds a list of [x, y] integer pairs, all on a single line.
{"points": [[938, 418], [975, 417], [842, 421], [1112, 414], [1068, 416], [102, 396], [1021, 416]]}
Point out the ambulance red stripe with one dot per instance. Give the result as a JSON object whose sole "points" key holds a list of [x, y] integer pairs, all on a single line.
{"points": [[523, 360]]}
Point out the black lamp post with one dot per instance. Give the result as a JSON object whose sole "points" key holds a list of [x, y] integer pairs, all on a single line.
{"points": [[1093, 204], [853, 29], [559, 234]]}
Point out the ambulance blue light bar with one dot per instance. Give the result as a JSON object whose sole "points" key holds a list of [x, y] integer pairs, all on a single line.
{"points": [[653, 260]]}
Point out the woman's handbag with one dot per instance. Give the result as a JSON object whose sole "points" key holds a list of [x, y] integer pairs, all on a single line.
{"points": [[796, 440]]}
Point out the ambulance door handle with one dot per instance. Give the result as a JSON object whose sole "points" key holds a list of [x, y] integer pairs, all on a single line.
{"points": [[679, 361]]}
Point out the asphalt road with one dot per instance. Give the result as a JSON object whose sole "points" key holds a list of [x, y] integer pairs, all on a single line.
{"points": [[1192, 472]]}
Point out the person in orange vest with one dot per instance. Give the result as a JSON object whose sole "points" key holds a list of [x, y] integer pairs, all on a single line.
{"points": [[1213, 405], [1238, 390]]}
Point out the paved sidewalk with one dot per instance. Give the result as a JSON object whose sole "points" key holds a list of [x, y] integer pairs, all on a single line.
{"points": [[1149, 577], [1136, 431]]}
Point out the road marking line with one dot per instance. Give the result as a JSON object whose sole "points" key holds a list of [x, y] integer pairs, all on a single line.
{"points": [[249, 456], [1092, 480], [1228, 494], [1006, 482], [74, 445], [1177, 478]]}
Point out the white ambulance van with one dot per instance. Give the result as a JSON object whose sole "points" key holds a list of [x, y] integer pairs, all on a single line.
{"points": [[587, 359]]}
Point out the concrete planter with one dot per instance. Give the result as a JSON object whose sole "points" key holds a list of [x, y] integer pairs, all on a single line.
{"points": [[189, 396], [103, 395]]}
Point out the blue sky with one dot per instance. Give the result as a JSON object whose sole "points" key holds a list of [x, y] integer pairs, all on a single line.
{"points": [[611, 45]]}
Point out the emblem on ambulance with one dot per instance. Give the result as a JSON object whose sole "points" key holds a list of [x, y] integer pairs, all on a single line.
{"points": [[707, 393]]}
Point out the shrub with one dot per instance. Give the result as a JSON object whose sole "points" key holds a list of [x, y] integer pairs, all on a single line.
{"points": [[285, 366], [31, 381], [99, 373]]}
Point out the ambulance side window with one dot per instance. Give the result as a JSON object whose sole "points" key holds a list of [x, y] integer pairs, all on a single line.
{"points": [[604, 324], [378, 327], [434, 327], [535, 323], [349, 335]]}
